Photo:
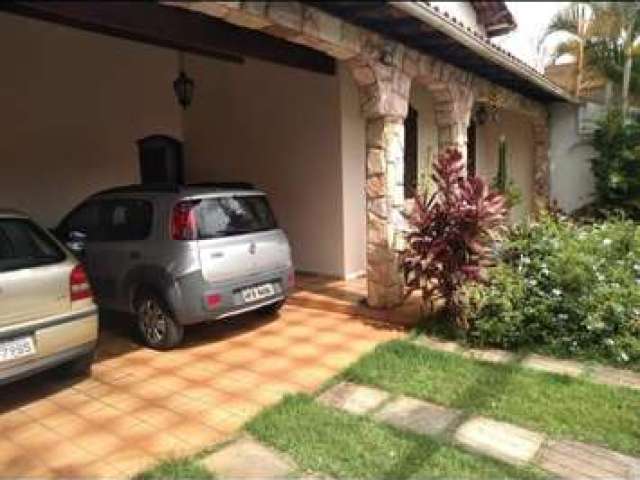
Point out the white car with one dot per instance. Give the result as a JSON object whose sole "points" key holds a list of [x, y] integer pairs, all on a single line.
{"points": [[47, 314]]}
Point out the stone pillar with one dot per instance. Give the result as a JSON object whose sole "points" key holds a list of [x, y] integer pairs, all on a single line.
{"points": [[384, 93], [453, 113], [541, 167], [385, 203]]}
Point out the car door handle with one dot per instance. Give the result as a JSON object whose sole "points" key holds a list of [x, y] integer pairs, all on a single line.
{"points": [[134, 255]]}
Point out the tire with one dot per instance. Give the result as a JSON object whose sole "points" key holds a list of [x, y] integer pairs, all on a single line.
{"points": [[79, 367], [271, 309], [156, 323]]}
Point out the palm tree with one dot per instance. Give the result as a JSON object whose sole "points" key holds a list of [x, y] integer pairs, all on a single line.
{"points": [[576, 22]]}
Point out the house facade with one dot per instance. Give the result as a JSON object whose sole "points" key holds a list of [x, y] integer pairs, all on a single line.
{"points": [[335, 109]]}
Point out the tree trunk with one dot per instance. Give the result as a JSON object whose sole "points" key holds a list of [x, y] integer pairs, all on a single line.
{"points": [[625, 83]]}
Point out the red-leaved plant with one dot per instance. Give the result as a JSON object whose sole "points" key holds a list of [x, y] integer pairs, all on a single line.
{"points": [[449, 243]]}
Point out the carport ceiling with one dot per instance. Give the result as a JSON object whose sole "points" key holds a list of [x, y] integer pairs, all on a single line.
{"points": [[392, 22], [175, 28]]}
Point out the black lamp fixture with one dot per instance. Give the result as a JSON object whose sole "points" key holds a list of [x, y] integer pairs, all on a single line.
{"points": [[183, 85]]}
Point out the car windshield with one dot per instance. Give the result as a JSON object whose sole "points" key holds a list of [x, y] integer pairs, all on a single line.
{"points": [[235, 215], [25, 245]]}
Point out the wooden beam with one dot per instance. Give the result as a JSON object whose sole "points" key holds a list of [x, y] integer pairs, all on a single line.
{"points": [[175, 28]]}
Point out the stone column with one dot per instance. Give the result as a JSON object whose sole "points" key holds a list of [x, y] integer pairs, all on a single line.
{"points": [[384, 92], [541, 167], [453, 113]]}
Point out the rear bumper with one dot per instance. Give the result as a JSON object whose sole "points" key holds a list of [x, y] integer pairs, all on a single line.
{"points": [[58, 340], [23, 370], [192, 307]]}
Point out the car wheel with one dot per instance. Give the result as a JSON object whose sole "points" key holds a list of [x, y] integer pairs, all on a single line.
{"points": [[79, 367], [272, 308], [158, 328]]}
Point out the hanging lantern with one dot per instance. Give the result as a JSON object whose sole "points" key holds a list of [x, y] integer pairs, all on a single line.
{"points": [[183, 86]]}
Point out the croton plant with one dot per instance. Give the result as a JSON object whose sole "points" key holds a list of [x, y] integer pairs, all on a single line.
{"points": [[451, 235]]}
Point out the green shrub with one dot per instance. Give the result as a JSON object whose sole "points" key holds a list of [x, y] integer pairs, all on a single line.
{"points": [[563, 288], [616, 168]]}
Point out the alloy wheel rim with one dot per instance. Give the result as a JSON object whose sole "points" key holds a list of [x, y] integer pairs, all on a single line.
{"points": [[154, 322]]}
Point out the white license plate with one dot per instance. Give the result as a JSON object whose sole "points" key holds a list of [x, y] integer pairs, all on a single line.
{"points": [[253, 294], [16, 348]]}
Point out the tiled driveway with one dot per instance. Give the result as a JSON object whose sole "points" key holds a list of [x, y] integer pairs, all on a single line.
{"points": [[140, 405]]}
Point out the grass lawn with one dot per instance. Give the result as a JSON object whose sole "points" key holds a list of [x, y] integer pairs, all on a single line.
{"points": [[335, 443], [558, 405], [184, 468]]}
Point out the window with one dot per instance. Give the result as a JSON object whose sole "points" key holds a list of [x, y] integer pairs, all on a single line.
{"points": [[124, 220], [228, 216], [25, 245], [84, 219], [411, 153]]}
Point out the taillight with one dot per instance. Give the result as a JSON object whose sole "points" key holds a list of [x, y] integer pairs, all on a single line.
{"points": [[183, 221], [79, 284], [212, 300]]}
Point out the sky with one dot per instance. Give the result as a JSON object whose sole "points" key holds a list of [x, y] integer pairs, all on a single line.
{"points": [[532, 19]]}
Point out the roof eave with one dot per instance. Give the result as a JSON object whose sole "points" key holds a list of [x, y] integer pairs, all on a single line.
{"points": [[427, 14]]}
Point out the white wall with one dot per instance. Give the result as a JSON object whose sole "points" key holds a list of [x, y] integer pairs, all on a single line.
{"points": [[277, 127], [353, 141], [422, 100], [518, 132], [74, 103], [572, 183], [72, 106]]}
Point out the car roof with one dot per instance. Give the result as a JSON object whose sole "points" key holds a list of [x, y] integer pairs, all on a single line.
{"points": [[11, 213], [223, 188]]}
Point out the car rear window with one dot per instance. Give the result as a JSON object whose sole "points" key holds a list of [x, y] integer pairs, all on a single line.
{"points": [[25, 245], [235, 215]]}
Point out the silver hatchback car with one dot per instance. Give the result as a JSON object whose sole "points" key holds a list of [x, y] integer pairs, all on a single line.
{"points": [[180, 255], [47, 315]]}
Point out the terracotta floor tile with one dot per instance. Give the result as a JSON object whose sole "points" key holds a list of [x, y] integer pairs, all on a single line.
{"points": [[24, 432], [24, 467], [130, 459], [41, 408], [197, 434], [9, 451], [99, 469], [65, 455], [222, 420], [141, 405], [163, 444], [74, 428], [124, 402], [45, 439], [98, 442]]}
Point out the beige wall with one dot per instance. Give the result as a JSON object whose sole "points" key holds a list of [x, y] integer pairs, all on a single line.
{"points": [[74, 103], [353, 140], [72, 106], [279, 128], [422, 100], [520, 151]]}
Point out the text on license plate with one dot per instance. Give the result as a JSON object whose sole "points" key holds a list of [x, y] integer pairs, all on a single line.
{"points": [[16, 348], [252, 294]]}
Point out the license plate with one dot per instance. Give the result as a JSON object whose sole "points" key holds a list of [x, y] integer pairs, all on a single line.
{"points": [[253, 294], [16, 348]]}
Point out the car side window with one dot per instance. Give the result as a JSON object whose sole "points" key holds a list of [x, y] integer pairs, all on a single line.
{"points": [[24, 245], [125, 220], [85, 219]]}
